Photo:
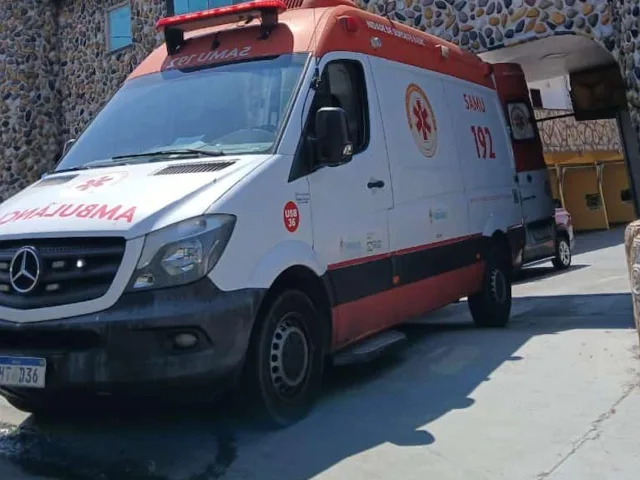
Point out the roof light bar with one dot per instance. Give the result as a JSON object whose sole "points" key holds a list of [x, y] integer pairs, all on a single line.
{"points": [[175, 27]]}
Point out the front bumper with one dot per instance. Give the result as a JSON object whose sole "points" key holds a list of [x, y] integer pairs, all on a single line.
{"points": [[129, 350]]}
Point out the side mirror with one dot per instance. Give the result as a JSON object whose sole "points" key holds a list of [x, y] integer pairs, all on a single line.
{"points": [[67, 146], [332, 137]]}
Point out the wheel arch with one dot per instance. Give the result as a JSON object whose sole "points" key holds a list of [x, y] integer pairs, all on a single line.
{"points": [[500, 239], [510, 237], [304, 279]]}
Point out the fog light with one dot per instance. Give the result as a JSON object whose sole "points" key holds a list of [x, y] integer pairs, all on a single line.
{"points": [[144, 281], [185, 340]]}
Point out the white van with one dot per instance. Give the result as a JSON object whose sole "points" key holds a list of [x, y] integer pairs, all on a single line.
{"points": [[256, 199]]}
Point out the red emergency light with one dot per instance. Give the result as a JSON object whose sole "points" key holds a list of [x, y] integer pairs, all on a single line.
{"points": [[176, 26]]}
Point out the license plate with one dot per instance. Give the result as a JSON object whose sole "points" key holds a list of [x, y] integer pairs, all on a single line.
{"points": [[22, 372]]}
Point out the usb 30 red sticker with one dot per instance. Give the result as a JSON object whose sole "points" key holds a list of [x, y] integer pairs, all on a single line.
{"points": [[291, 217]]}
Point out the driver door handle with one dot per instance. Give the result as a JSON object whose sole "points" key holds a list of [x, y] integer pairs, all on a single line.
{"points": [[375, 184]]}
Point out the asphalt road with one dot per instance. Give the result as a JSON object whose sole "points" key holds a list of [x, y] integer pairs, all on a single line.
{"points": [[553, 396]]}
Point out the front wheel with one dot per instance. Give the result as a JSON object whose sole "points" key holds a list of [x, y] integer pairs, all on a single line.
{"points": [[562, 260], [285, 361], [491, 306]]}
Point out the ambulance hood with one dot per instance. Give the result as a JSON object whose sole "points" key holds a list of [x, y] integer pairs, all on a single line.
{"points": [[128, 201]]}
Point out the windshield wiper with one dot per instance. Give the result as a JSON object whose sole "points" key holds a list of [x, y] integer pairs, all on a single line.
{"points": [[113, 161], [199, 152]]}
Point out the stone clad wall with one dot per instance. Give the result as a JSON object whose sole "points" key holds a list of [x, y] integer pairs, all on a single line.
{"points": [[568, 135], [89, 73], [626, 22], [480, 25], [56, 73], [29, 101]]}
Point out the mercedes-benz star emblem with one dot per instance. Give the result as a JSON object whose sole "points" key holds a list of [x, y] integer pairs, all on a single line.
{"points": [[24, 270]]}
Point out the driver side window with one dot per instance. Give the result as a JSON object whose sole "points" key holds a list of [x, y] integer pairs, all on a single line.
{"points": [[342, 84]]}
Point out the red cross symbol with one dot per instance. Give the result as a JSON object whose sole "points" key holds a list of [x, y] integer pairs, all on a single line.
{"points": [[94, 183], [422, 120]]}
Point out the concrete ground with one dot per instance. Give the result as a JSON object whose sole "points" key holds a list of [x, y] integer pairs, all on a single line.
{"points": [[553, 396]]}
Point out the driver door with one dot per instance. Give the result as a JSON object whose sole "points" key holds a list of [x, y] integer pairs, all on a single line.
{"points": [[350, 202]]}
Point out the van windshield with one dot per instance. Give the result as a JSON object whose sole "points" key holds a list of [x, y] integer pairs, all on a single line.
{"points": [[228, 109]]}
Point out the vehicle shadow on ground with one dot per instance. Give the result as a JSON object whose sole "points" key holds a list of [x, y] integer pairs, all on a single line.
{"points": [[390, 401]]}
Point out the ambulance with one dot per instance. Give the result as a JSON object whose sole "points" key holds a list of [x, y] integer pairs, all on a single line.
{"points": [[274, 189]]}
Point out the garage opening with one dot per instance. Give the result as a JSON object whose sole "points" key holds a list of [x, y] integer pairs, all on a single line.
{"points": [[591, 148]]}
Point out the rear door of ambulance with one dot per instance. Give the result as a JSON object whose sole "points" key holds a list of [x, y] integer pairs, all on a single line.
{"points": [[532, 175]]}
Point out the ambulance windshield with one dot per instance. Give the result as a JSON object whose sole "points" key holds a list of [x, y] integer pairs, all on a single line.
{"points": [[231, 109]]}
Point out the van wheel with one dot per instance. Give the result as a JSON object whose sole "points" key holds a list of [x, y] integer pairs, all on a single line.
{"points": [[562, 260], [491, 306], [285, 360]]}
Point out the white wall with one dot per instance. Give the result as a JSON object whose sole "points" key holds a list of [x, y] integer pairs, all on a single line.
{"points": [[554, 92]]}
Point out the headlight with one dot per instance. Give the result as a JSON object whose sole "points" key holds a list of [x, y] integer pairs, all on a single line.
{"points": [[182, 253]]}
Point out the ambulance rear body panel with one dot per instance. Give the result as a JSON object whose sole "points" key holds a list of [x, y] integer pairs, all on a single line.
{"points": [[532, 174], [399, 230]]}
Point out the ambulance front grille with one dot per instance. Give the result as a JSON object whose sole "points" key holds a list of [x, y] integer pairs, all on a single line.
{"points": [[194, 168], [67, 270]]}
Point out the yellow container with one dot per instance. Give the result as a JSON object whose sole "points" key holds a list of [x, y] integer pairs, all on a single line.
{"points": [[582, 198], [617, 193]]}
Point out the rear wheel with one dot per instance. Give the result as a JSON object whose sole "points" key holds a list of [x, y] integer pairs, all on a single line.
{"points": [[562, 260], [285, 361], [491, 307]]}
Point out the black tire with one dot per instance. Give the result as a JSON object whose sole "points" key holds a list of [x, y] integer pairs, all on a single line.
{"points": [[491, 306], [285, 393], [562, 260]]}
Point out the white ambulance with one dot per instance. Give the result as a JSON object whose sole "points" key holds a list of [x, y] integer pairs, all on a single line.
{"points": [[276, 186]]}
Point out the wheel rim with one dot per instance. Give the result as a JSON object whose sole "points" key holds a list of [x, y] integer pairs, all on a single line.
{"points": [[564, 252], [289, 356], [498, 286]]}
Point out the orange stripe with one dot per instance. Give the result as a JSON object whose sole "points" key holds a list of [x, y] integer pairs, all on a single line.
{"points": [[356, 320]]}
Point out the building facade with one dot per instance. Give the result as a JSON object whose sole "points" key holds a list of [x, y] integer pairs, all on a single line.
{"points": [[60, 60]]}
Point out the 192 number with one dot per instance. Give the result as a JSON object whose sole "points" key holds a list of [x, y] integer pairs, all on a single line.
{"points": [[484, 142]]}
